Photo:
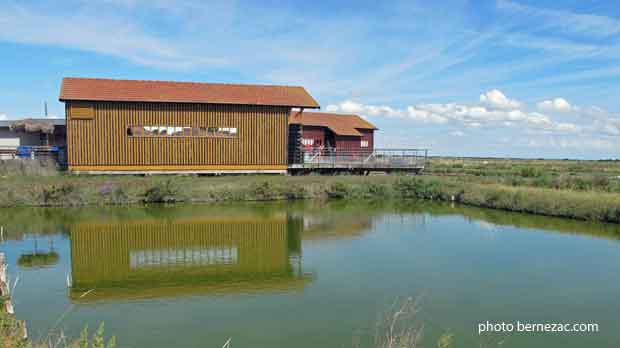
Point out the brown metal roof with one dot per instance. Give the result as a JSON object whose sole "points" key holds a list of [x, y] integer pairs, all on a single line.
{"points": [[337, 123], [91, 89]]}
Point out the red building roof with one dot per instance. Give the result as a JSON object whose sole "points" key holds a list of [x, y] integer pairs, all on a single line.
{"points": [[337, 123], [90, 89]]}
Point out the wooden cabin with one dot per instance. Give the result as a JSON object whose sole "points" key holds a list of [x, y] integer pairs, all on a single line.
{"points": [[321, 130], [131, 126]]}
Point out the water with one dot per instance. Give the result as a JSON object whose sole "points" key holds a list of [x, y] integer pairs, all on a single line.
{"points": [[309, 274]]}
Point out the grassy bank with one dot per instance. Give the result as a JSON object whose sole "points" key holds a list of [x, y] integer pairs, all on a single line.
{"points": [[588, 202], [12, 336], [11, 332], [600, 176]]}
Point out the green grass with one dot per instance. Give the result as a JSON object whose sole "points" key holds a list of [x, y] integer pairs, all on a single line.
{"points": [[586, 190], [11, 330], [12, 336], [600, 176]]}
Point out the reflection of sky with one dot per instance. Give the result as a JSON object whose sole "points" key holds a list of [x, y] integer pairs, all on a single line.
{"points": [[463, 277]]}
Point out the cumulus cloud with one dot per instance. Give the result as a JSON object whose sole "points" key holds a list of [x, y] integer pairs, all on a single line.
{"points": [[495, 98], [551, 124], [555, 105], [495, 110]]}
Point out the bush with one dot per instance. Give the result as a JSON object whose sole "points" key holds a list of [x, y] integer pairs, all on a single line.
{"points": [[113, 194], [374, 190], [296, 192], [529, 172], [338, 190], [28, 167], [64, 194], [162, 192], [412, 187], [263, 191]]}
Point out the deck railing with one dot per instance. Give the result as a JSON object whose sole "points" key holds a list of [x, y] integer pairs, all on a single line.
{"points": [[379, 159], [56, 153]]}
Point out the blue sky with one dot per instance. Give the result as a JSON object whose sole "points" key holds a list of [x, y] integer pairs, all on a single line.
{"points": [[479, 78]]}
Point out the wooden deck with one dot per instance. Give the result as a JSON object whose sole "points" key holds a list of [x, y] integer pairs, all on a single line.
{"points": [[379, 160]]}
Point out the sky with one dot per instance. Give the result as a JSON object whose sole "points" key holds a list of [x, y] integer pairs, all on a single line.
{"points": [[504, 78]]}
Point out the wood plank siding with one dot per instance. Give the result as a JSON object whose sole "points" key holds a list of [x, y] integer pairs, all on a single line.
{"points": [[101, 142]]}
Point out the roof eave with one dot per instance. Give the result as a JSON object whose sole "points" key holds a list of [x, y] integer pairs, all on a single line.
{"points": [[65, 99]]}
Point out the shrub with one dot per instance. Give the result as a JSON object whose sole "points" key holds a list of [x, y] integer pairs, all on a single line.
{"points": [[411, 187], [374, 190], [529, 172], [162, 192], [63, 194], [263, 191], [296, 192], [113, 194], [601, 182], [543, 181], [338, 190], [28, 167]]}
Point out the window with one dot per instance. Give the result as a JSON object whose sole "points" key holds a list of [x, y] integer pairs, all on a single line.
{"points": [[222, 132], [81, 110], [307, 142], [173, 131], [364, 143]]}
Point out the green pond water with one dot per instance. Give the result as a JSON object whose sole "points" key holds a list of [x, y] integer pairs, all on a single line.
{"points": [[309, 274]]}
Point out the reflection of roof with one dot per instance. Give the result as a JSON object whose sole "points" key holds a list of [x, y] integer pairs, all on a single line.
{"points": [[90, 89], [339, 124]]}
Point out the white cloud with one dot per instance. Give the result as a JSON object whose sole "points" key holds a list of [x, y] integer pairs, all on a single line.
{"points": [[101, 34], [555, 105], [504, 112], [3, 117], [495, 98], [585, 24]]}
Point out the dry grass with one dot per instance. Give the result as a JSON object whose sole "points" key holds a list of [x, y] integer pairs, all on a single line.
{"points": [[396, 328], [28, 168]]}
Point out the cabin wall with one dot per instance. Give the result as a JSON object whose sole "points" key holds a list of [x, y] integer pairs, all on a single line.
{"points": [[369, 136], [97, 137], [317, 134], [353, 143]]}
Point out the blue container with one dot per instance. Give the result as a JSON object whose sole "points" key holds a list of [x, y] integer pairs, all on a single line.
{"points": [[24, 151]]}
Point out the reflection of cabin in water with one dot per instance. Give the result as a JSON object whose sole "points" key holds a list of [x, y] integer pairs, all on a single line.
{"points": [[156, 257]]}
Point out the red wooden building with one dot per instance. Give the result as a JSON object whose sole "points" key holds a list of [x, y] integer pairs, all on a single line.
{"points": [[321, 130]]}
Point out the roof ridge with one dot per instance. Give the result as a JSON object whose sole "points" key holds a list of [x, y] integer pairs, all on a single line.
{"points": [[180, 82], [108, 89], [329, 113]]}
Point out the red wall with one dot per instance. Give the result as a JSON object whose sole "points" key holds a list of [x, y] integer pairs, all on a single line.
{"points": [[316, 133], [341, 141], [354, 143]]}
